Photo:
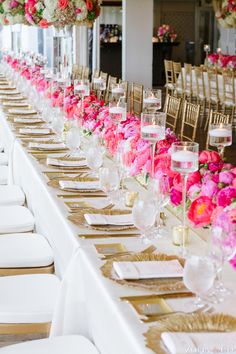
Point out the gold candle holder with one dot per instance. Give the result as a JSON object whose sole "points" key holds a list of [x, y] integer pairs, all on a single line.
{"points": [[130, 198], [180, 235]]}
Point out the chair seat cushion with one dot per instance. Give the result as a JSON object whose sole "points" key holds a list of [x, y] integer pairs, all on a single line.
{"points": [[3, 159], [11, 195], [59, 345], [3, 175], [28, 298], [15, 219], [24, 251]]}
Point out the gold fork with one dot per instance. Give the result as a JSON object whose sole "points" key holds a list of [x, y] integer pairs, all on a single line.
{"points": [[147, 250]]}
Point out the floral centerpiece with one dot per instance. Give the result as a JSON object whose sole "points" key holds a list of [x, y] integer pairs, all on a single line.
{"points": [[222, 61], [226, 12], [34, 13], [165, 34], [12, 12]]}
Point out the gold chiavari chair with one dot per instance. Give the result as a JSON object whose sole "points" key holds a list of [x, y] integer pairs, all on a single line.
{"points": [[126, 86], [229, 100], [136, 99], [172, 110], [213, 99], [77, 72], [216, 118], [169, 73], [103, 76], [85, 74], [189, 92], [96, 74], [200, 90], [179, 80], [111, 81], [191, 113]]}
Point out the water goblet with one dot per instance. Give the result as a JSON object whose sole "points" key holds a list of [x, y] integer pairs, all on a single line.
{"points": [[199, 275], [144, 215], [94, 158], [110, 182]]}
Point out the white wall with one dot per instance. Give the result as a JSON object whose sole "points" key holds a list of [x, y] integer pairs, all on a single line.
{"points": [[137, 45]]}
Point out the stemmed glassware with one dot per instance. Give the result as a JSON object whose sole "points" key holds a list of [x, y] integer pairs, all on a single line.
{"points": [[153, 129], [144, 215], [199, 276], [220, 136], [184, 159], [94, 158], [117, 92], [110, 182], [162, 197], [151, 100], [118, 110]]}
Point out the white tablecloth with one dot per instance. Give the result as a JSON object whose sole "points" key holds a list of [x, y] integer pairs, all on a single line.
{"points": [[89, 303]]}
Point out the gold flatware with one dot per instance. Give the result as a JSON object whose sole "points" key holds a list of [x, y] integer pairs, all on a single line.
{"points": [[80, 195], [149, 249], [110, 235], [168, 295]]}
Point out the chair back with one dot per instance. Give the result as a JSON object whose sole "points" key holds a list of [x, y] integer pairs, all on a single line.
{"points": [[200, 84], [172, 110], [136, 99], [216, 118], [191, 113], [96, 74], [85, 75], [228, 88], [169, 72], [111, 81], [77, 71], [178, 77], [213, 85], [188, 79], [126, 86]]}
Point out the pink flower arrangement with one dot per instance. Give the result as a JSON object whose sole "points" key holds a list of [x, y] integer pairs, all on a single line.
{"points": [[166, 34], [222, 61]]}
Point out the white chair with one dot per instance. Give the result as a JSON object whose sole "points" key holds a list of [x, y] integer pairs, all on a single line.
{"points": [[15, 219], [3, 175], [4, 159], [11, 195], [73, 344], [25, 254], [27, 303]]}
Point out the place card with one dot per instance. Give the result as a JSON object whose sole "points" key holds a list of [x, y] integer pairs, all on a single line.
{"points": [[110, 248], [150, 307]]}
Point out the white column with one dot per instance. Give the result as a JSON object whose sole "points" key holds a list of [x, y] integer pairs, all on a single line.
{"points": [[96, 44], [137, 45], [81, 45]]}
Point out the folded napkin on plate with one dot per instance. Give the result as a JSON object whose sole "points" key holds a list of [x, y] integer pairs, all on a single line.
{"points": [[52, 146], [65, 163], [103, 220], [84, 185], [22, 111], [148, 270], [179, 343], [34, 131], [27, 120]]}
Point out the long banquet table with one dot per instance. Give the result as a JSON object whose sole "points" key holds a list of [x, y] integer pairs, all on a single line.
{"points": [[90, 304]]}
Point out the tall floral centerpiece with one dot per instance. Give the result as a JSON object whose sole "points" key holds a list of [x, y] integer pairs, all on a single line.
{"points": [[12, 12], [225, 12]]}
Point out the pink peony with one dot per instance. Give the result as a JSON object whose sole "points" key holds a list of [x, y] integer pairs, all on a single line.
{"points": [[209, 189], [175, 197], [226, 177], [200, 211], [226, 196]]}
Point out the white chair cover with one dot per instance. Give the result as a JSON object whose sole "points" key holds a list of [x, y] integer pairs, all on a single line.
{"points": [[11, 195]]}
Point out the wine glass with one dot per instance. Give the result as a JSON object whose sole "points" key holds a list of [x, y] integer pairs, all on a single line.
{"points": [[94, 158], [153, 129], [151, 100], [144, 215], [73, 139], [199, 275], [110, 182], [220, 136], [184, 159]]}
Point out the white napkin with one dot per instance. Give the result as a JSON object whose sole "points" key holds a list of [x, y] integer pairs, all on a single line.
{"points": [[179, 343], [34, 131], [53, 146], [148, 270], [85, 185], [27, 120], [116, 220], [65, 163], [22, 111]]}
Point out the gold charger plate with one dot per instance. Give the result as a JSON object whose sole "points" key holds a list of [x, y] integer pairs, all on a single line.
{"points": [[165, 285], [187, 323], [78, 219]]}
